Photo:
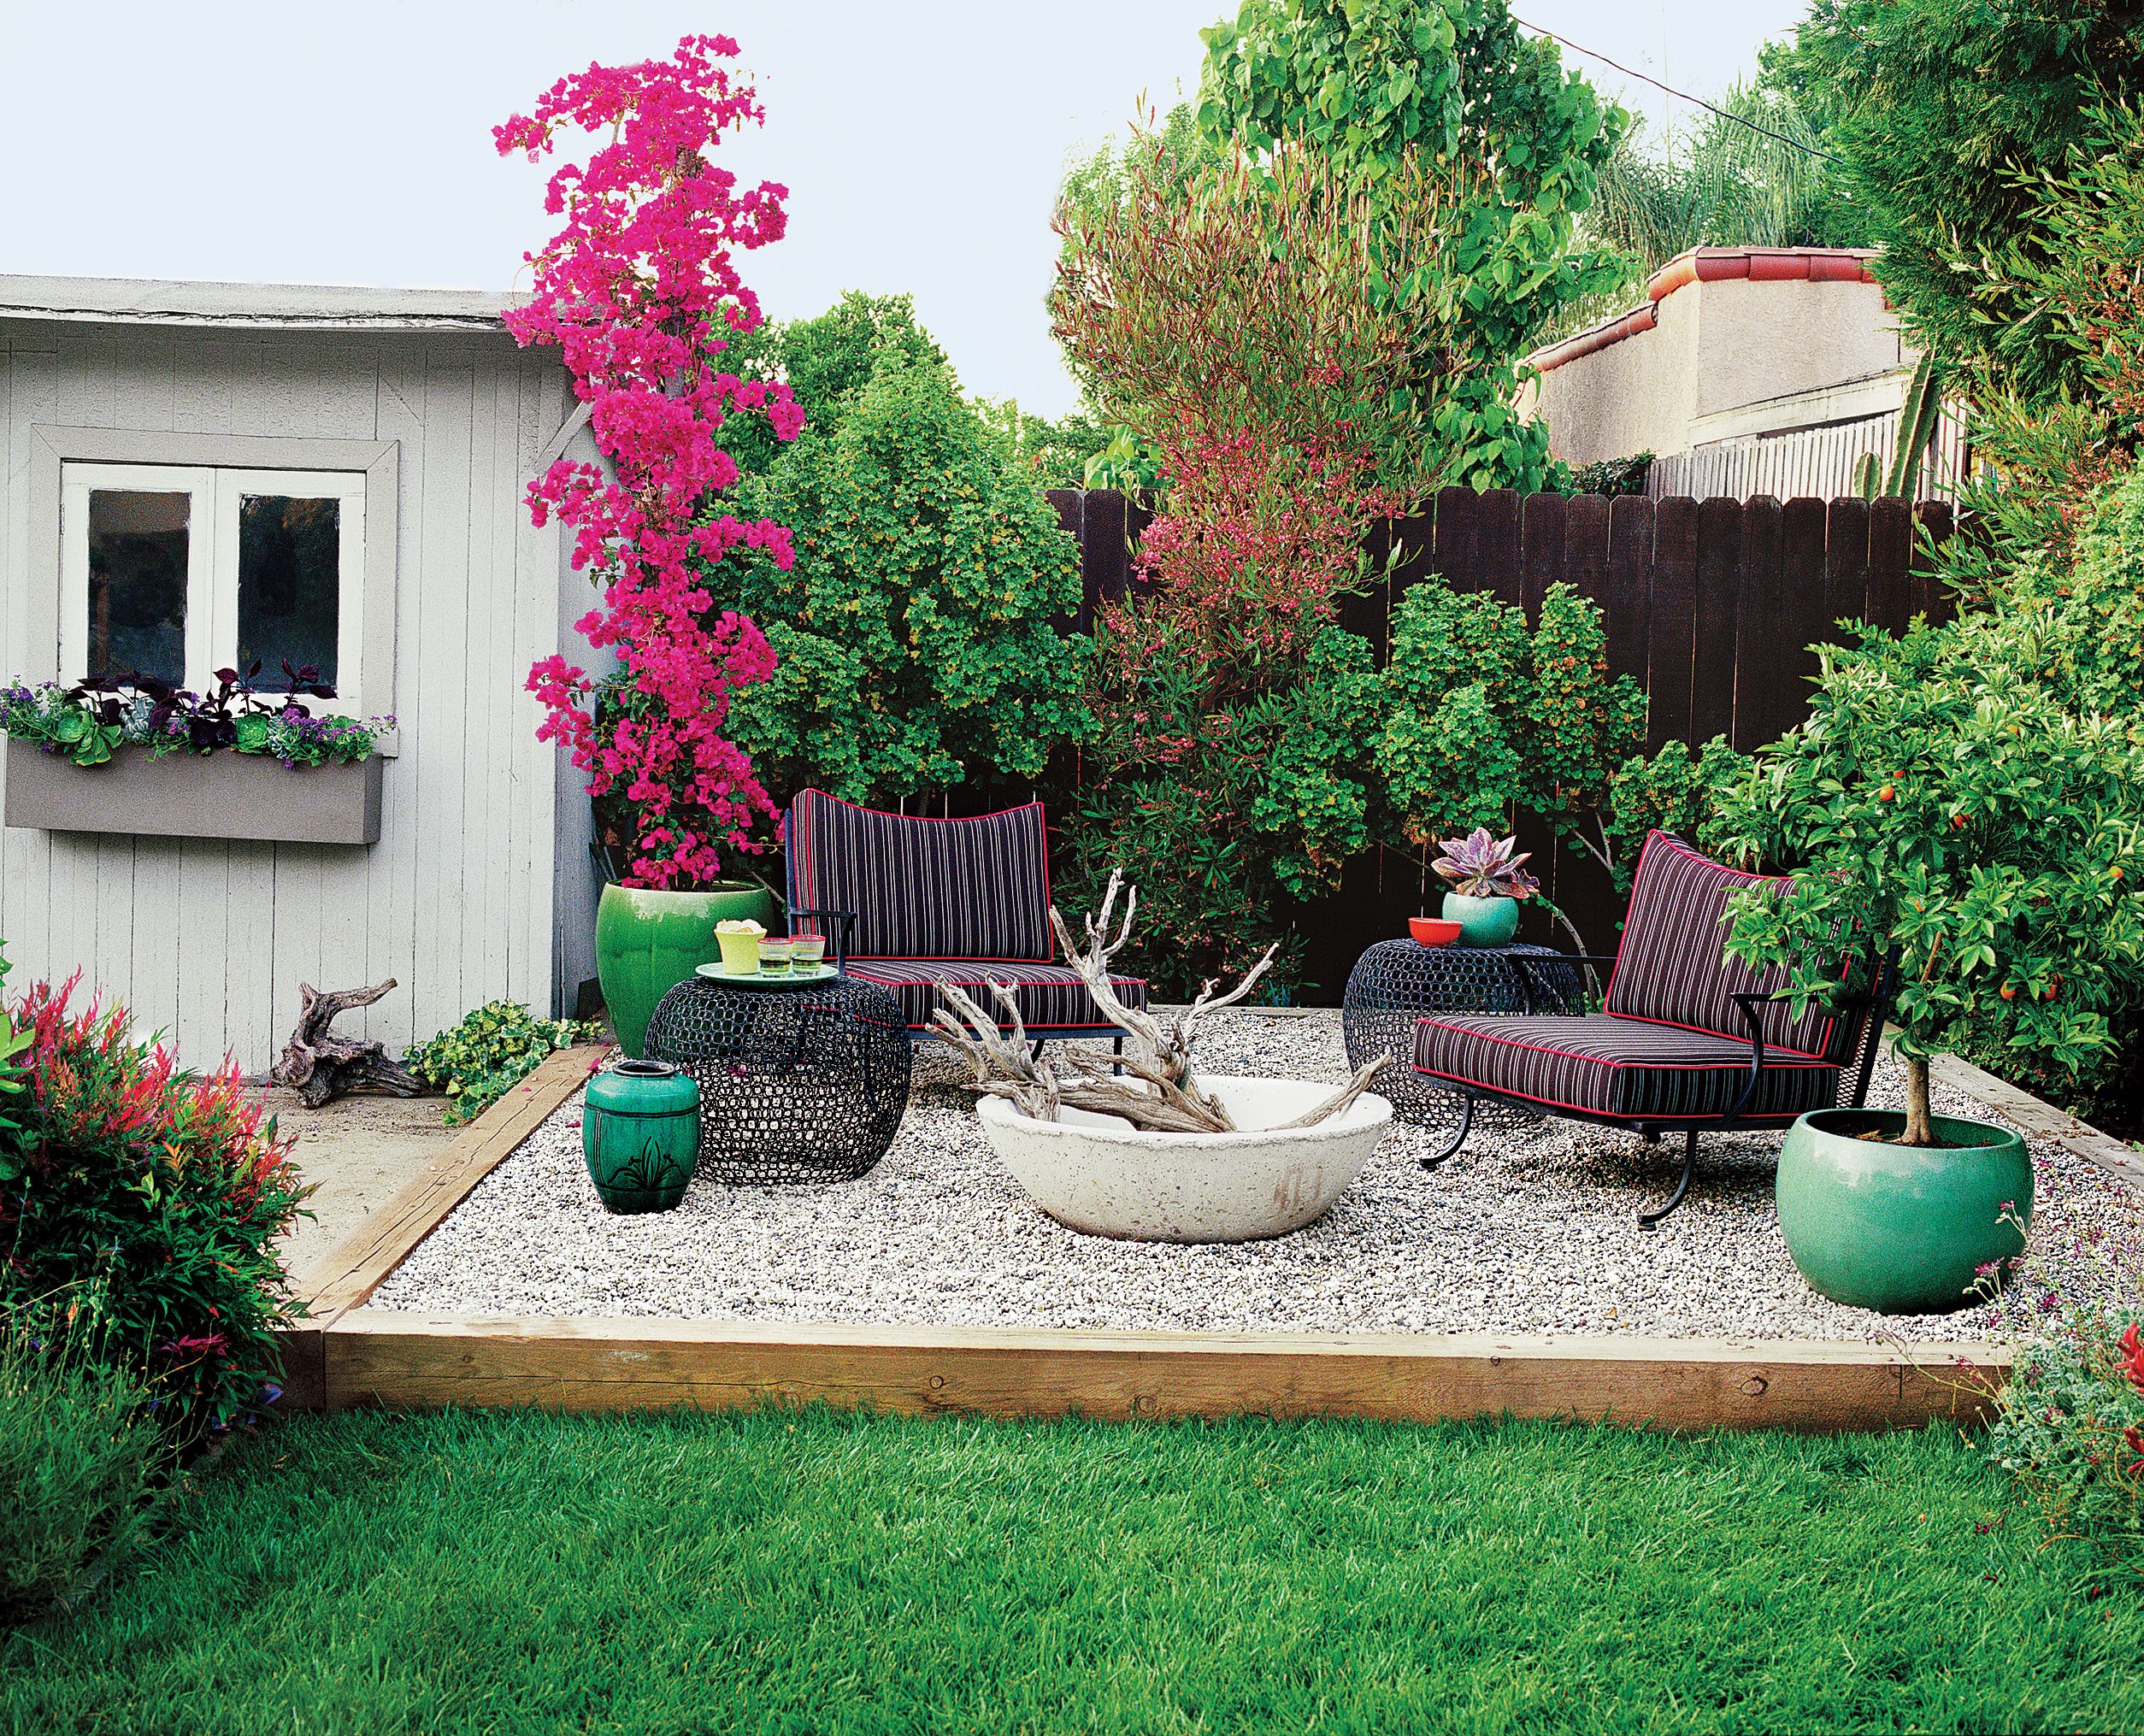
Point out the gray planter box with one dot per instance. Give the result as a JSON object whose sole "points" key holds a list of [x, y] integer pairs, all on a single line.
{"points": [[184, 795]]}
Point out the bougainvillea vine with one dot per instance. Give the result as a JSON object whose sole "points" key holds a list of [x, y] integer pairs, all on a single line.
{"points": [[639, 292]]}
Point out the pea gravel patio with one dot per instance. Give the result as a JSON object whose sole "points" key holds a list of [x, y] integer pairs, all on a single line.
{"points": [[1530, 1232]]}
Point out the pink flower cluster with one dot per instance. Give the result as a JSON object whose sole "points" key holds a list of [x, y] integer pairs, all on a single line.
{"points": [[639, 292]]}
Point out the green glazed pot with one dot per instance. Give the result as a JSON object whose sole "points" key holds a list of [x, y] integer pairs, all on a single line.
{"points": [[1483, 922], [647, 942], [1900, 1229], [640, 1132]]}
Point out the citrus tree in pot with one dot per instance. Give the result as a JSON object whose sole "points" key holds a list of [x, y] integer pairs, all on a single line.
{"points": [[639, 292], [1946, 802]]}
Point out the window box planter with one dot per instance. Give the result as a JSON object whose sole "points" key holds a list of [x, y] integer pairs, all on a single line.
{"points": [[185, 795]]}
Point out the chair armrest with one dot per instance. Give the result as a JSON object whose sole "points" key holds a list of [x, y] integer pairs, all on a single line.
{"points": [[846, 919], [1525, 961], [1751, 1003]]}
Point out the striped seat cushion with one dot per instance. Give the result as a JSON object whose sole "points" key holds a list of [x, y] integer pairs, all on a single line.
{"points": [[1609, 1066], [952, 889], [1049, 995], [1673, 968]]}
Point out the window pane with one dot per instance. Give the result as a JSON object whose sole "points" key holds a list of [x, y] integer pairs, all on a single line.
{"points": [[138, 583], [289, 591]]}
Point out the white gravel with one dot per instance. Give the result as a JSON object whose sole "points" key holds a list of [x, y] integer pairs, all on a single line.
{"points": [[1528, 1232]]}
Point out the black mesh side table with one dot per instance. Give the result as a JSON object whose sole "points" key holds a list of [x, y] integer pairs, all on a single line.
{"points": [[801, 1079], [1396, 982]]}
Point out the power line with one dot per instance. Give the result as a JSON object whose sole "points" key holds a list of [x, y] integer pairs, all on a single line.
{"points": [[1646, 78]]}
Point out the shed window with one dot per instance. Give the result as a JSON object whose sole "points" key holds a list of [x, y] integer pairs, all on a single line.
{"points": [[174, 572]]}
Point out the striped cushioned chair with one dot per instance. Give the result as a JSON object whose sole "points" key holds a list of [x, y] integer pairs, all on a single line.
{"points": [[1686, 1037], [911, 902]]}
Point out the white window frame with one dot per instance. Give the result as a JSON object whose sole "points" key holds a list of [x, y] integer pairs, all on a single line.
{"points": [[57, 602], [216, 495]]}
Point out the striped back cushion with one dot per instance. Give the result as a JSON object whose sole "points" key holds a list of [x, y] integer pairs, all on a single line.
{"points": [[923, 888], [1673, 968]]}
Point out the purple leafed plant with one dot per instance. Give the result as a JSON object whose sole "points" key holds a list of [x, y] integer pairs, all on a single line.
{"points": [[1480, 867]]}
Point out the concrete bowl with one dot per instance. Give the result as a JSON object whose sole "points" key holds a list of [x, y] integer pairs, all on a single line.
{"points": [[1100, 1174]]}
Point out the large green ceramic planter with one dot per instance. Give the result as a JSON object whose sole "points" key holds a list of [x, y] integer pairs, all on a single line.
{"points": [[648, 942], [640, 1132], [1483, 922], [1900, 1229]]}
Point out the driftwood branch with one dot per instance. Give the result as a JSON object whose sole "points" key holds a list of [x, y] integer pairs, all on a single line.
{"points": [[319, 1065], [1151, 1084]]}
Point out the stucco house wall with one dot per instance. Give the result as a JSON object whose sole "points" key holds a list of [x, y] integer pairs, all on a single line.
{"points": [[480, 885], [1734, 347]]}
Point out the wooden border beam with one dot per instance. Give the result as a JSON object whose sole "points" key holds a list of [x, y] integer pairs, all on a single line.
{"points": [[398, 1358]]}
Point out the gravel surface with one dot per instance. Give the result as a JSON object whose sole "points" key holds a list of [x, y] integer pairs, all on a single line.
{"points": [[1527, 1232]]}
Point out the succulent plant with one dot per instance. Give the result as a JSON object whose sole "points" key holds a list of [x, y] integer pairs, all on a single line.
{"points": [[1481, 867]]}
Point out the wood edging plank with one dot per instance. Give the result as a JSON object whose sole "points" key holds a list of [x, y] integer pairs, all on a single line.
{"points": [[396, 1358], [2036, 1116], [359, 1264]]}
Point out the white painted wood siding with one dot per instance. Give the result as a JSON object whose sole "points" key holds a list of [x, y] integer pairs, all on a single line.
{"points": [[209, 940]]}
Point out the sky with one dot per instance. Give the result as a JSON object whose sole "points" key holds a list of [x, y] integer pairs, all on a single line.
{"points": [[348, 141]]}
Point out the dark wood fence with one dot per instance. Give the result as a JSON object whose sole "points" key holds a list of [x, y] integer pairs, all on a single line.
{"points": [[1710, 603]]}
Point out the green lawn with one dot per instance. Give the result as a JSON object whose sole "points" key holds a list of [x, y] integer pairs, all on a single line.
{"points": [[782, 1572]]}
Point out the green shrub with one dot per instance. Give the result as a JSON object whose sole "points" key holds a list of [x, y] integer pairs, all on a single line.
{"points": [[80, 1460], [152, 1197], [494, 1048], [1610, 476], [915, 630]]}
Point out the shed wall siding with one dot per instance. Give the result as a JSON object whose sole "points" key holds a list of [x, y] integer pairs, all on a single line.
{"points": [[209, 939]]}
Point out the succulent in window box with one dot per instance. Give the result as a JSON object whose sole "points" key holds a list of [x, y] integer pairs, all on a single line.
{"points": [[1488, 879]]}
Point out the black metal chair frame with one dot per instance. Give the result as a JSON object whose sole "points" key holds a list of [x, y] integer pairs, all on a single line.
{"points": [[1870, 1007]]}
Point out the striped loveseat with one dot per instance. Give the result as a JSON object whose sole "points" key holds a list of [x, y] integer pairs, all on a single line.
{"points": [[1686, 1037], [908, 903]]}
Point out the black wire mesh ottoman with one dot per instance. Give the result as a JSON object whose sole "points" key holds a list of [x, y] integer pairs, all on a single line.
{"points": [[1396, 982], [802, 1079]]}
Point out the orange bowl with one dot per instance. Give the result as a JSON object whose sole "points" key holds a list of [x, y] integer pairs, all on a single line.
{"points": [[1433, 931]]}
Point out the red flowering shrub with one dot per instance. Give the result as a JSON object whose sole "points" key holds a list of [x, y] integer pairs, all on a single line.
{"points": [[639, 292], [139, 1206]]}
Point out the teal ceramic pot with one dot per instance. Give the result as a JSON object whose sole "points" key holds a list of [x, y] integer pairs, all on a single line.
{"points": [[640, 1132], [1483, 922], [647, 942], [1900, 1229]]}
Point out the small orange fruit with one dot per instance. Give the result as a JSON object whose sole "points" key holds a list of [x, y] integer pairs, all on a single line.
{"points": [[1887, 792], [2010, 990]]}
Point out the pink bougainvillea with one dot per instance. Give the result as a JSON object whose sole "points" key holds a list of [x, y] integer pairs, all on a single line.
{"points": [[639, 292]]}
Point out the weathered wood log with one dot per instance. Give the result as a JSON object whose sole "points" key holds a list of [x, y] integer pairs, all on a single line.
{"points": [[1151, 1084], [319, 1065]]}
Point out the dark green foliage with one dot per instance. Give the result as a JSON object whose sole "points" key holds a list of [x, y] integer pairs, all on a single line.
{"points": [[510, 1573], [80, 1461], [494, 1048], [1936, 105], [1610, 476], [914, 631], [1221, 812]]}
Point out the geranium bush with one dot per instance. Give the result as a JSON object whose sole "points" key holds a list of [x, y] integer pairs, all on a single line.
{"points": [[147, 1200], [639, 293]]}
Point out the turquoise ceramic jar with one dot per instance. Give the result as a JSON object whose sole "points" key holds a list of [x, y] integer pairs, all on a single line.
{"points": [[1483, 922], [1901, 1229], [640, 1132]]}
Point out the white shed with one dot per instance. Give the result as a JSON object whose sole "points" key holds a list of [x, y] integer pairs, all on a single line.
{"points": [[416, 413]]}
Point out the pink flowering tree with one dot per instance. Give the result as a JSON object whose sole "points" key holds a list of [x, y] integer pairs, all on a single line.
{"points": [[639, 292]]}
